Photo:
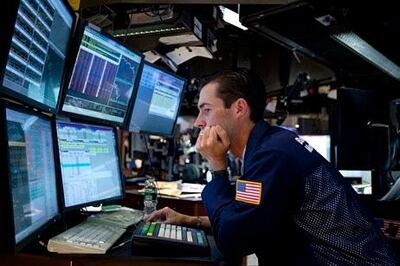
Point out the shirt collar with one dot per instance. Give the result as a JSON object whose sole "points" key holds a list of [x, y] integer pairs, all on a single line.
{"points": [[255, 135]]}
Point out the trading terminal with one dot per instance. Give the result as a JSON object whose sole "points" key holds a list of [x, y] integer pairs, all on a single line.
{"points": [[98, 97]]}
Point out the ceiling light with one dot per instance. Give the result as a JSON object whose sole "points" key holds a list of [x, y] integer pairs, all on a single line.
{"points": [[362, 48], [147, 31]]}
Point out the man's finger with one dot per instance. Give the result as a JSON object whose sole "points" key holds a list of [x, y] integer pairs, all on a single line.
{"points": [[222, 135], [213, 135], [206, 133], [153, 216]]}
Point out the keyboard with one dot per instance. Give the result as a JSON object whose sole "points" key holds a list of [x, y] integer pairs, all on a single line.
{"points": [[123, 217], [168, 239], [88, 237]]}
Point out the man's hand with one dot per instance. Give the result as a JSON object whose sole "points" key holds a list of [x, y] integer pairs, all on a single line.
{"points": [[213, 143], [167, 215]]}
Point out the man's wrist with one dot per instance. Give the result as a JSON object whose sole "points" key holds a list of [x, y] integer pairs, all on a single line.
{"points": [[223, 172], [216, 164]]}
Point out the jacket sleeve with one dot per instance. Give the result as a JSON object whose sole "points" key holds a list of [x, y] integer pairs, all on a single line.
{"points": [[237, 225]]}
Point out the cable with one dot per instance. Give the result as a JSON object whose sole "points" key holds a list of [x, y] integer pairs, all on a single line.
{"points": [[123, 243], [126, 241]]}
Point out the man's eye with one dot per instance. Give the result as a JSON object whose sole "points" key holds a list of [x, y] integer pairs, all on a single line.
{"points": [[207, 110]]}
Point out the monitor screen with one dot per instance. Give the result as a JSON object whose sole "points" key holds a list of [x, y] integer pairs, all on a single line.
{"points": [[321, 143], [358, 144], [102, 79], [37, 53], [90, 169], [360, 180], [31, 171], [157, 101]]}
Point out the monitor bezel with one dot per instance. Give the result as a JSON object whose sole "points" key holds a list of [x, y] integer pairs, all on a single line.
{"points": [[81, 26], [11, 7], [148, 132], [66, 209], [7, 225]]}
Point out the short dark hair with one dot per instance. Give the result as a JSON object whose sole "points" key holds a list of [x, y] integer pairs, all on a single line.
{"points": [[240, 83]]}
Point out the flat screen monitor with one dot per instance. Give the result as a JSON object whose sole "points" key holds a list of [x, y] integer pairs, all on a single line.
{"points": [[361, 180], [37, 52], [358, 144], [321, 143], [32, 200], [90, 169], [157, 101], [103, 78]]}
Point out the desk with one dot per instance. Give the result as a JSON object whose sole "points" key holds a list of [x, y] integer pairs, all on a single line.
{"points": [[190, 206], [119, 256]]}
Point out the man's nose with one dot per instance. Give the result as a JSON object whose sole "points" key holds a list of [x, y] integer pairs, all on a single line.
{"points": [[200, 123]]}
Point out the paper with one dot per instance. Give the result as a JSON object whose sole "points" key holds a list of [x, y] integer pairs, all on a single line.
{"points": [[178, 189], [168, 184], [93, 208], [185, 53], [192, 188]]}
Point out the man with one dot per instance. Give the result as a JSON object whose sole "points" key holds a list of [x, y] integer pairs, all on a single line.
{"points": [[288, 201]]}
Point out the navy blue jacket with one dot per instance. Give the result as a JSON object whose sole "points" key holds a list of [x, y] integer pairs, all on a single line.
{"points": [[306, 210]]}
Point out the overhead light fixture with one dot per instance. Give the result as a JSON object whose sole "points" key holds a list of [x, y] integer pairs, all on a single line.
{"points": [[355, 43], [148, 31], [231, 17]]}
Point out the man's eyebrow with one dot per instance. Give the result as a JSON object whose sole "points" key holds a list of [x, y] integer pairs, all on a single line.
{"points": [[203, 104]]}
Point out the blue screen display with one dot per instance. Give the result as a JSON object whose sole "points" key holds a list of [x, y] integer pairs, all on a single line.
{"points": [[103, 78], [157, 101], [32, 172], [37, 54], [89, 163]]}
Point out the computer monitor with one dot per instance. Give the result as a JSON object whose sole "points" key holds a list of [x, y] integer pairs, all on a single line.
{"points": [[361, 181], [35, 41], [356, 141], [102, 80], [157, 101], [90, 168], [28, 188], [321, 143]]}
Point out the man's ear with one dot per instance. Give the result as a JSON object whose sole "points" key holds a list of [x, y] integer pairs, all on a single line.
{"points": [[241, 107]]}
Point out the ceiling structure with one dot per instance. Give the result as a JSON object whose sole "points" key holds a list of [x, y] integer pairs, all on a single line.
{"points": [[307, 27], [304, 27], [92, 3]]}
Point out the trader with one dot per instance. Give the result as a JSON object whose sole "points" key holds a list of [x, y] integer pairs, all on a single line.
{"points": [[290, 205]]}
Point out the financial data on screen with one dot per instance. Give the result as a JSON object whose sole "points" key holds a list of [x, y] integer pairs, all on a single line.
{"points": [[89, 163], [32, 172], [38, 50], [157, 101], [103, 78]]}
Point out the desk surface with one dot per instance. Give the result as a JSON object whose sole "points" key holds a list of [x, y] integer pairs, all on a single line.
{"points": [[117, 256]]}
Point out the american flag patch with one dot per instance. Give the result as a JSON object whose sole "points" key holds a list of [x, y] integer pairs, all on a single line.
{"points": [[248, 192]]}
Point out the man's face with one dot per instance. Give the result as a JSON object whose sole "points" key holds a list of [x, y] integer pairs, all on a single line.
{"points": [[212, 110]]}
